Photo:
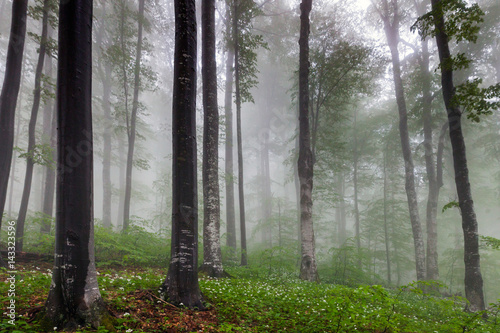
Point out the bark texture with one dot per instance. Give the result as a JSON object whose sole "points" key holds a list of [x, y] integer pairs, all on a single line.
{"points": [[181, 284], [229, 164], [30, 163], [241, 193], [10, 91], [473, 278], [131, 127], [390, 16], [308, 266], [212, 257], [74, 299]]}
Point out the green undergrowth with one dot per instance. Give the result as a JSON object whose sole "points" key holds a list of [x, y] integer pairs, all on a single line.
{"points": [[276, 303]]}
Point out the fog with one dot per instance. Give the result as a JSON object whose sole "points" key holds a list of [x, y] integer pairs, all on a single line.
{"points": [[352, 94]]}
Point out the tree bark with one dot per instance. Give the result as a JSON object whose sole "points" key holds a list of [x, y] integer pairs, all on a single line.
{"points": [[432, 270], [241, 194], [181, 283], [131, 130], [308, 266], [10, 91], [30, 163], [391, 27], [229, 169], [74, 299], [212, 257], [473, 278]]}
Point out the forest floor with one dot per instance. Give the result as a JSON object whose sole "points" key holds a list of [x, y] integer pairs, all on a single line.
{"points": [[249, 303]]}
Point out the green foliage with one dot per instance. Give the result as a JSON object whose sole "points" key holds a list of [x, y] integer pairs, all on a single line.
{"points": [[477, 101], [462, 21], [135, 247], [40, 154], [449, 205], [492, 242]]}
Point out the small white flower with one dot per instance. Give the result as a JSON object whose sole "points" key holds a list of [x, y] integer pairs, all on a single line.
{"points": [[129, 330], [126, 314]]}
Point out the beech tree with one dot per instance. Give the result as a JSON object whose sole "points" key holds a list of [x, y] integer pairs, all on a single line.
{"points": [[8, 97], [181, 283], [74, 298], [228, 113], [463, 28], [212, 257], [31, 154], [308, 266], [390, 15]]}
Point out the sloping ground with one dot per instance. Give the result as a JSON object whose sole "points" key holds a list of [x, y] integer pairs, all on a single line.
{"points": [[252, 305]]}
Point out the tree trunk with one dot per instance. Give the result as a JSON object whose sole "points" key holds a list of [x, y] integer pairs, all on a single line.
{"points": [[266, 189], [392, 34], [473, 277], [241, 194], [10, 91], [50, 132], [308, 268], [212, 257], [74, 299], [106, 78], [16, 141], [30, 163], [228, 103], [181, 283], [386, 227], [106, 158], [121, 196], [133, 120], [357, 233], [340, 211]]}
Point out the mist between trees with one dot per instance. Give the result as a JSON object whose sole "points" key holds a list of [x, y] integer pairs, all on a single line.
{"points": [[368, 153]]}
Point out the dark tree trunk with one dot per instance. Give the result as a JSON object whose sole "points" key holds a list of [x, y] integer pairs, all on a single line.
{"points": [[10, 90], [30, 163], [391, 27], [74, 299], [212, 257], [241, 194], [131, 128], [308, 267], [228, 104], [181, 284], [473, 277]]}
